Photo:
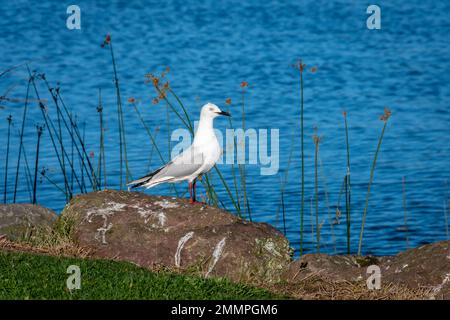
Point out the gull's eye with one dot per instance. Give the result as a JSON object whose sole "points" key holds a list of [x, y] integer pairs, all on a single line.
{"points": [[211, 109]]}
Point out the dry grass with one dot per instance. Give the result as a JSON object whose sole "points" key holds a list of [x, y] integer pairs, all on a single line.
{"points": [[55, 241], [62, 249], [316, 287]]}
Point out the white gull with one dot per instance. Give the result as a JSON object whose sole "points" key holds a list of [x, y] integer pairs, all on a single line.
{"points": [[196, 160]]}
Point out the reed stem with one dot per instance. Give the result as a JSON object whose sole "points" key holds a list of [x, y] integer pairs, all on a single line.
{"points": [[40, 129], [59, 136], [233, 171], [405, 213], [347, 213], [445, 210], [302, 158], [327, 201], [9, 119], [347, 186], [47, 121], [316, 189], [122, 135], [21, 133], [92, 179], [372, 171], [242, 166], [28, 174], [101, 157]]}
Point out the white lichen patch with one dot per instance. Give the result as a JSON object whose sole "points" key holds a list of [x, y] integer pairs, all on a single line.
{"points": [[110, 209], [162, 219], [147, 214], [144, 212], [217, 253], [165, 204], [439, 287], [269, 246], [101, 233], [180, 247]]}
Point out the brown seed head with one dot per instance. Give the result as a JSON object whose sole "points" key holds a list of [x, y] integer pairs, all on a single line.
{"points": [[386, 115]]}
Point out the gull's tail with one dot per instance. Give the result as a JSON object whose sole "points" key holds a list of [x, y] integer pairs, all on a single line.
{"points": [[143, 180]]}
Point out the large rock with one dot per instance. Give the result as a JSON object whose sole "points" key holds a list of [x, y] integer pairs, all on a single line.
{"points": [[426, 267], [169, 232], [18, 220]]}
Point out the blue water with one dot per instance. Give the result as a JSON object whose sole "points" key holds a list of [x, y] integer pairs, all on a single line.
{"points": [[211, 47]]}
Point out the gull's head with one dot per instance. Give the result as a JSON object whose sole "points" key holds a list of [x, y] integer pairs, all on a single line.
{"points": [[211, 111]]}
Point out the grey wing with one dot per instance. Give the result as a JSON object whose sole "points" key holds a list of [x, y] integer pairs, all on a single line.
{"points": [[181, 166]]}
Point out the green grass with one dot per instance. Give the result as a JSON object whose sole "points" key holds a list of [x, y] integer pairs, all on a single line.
{"points": [[31, 276]]}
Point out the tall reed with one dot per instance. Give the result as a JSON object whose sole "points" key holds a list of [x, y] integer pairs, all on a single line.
{"points": [[327, 202], [283, 211], [72, 174], [59, 134], [101, 157], [316, 140], [405, 213], [347, 185], [385, 118], [283, 181], [21, 133], [28, 176], [82, 160], [122, 135], [77, 139], [300, 67], [445, 210], [61, 142], [242, 172], [9, 119], [233, 171], [446, 220], [48, 123], [40, 129]]}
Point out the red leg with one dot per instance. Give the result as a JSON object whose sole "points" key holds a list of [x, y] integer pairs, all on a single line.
{"points": [[192, 197], [192, 193], [193, 190]]}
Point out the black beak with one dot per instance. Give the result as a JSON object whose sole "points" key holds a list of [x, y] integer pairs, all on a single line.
{"points": [[223, 113]]}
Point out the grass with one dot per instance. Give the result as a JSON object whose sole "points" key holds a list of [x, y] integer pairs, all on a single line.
{"points": [[31, 276]]}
